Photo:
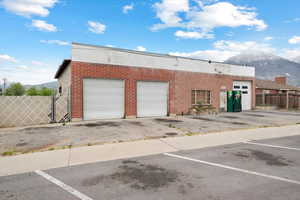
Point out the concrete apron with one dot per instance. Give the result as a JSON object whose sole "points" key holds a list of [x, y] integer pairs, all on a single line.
{"points": [[82, 155]]}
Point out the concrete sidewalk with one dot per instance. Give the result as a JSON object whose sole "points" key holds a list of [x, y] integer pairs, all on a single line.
{"points": [[76, 156]]}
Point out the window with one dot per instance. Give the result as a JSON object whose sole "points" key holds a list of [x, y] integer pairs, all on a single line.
{"points": [[245, 92], [202, 96], [236, 87], [245, 87], [60, 90]]}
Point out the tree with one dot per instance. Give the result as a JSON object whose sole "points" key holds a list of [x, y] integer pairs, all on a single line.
{"points": [[15, 89], [46, 92], [32, 92]]}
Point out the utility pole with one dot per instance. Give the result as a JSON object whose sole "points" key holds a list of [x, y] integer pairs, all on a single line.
{"points": [[4, 85]]}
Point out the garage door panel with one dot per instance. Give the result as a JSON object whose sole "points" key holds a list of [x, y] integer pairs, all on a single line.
{"points": [[246, 89], [103, 98], [152, 99]]}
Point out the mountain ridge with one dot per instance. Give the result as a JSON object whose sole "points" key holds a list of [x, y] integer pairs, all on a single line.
{"points": [[268, 66]]}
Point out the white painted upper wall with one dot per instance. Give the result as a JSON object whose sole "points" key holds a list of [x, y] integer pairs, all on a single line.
{"points": [[113, 56]]}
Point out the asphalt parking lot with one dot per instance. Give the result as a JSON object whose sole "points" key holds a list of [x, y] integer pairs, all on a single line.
{"points": [[44, 138], [265, 169]]}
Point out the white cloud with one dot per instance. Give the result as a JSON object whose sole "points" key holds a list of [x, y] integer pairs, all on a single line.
{"points": [[225, 49], [38, 63], [224, 14], [43, 26], [140, 48], [168, 12], [297, 19], [57, 42], [214, 55], [127, 8], [96, 27], [243, 46], [29, 75], [27, 8], [295, 40], [23, 66], [268, 38], [7, 58], [193, 35], [204, 18], [290, 53], [229, 34], [109, 45]]}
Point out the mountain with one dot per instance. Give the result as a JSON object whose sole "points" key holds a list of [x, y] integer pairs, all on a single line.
{"points": [[297, 59], [268, 66], [51, 85]]}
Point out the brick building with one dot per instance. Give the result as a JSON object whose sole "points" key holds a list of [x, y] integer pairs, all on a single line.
{"points": [[102, 82], [278, 86]]}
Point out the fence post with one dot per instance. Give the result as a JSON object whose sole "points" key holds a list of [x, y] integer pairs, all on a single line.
{"points": [[53, 109], [287, 99]]}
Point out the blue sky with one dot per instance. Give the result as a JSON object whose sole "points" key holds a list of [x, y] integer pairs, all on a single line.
{"points": [[36, 34]]}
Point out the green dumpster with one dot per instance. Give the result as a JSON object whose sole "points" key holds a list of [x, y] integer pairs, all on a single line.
{"points": [[237, 101], [230, 101]]}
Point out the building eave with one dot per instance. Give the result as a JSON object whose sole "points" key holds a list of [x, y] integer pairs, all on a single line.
{"points": [[62, 68]]}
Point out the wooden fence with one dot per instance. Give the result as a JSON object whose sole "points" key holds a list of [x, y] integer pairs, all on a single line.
{"points": [[279, 100]]}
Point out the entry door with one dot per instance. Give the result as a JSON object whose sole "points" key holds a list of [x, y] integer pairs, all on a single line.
{"points": [[103, 99], [223, 100], [152, 99], [246, 90]]}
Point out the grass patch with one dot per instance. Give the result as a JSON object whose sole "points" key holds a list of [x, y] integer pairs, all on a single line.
{"points": [[8, 153], [192, 134], [171, 126]]}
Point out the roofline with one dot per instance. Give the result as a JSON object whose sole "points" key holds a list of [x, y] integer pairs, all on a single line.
{"points": [[62, 68], [284, 86], [281, 89], [264, 88], [154, 54]]}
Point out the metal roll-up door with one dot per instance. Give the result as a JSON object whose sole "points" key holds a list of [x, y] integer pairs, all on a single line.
{"points": [[103, 99], [152, 99]]}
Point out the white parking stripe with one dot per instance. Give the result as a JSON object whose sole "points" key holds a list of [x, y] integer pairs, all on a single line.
{"points": [[234, 168], [273, 146], [67, 188]]}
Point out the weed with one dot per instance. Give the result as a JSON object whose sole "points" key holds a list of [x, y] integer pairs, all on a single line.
{"points": [[8, 153], [192, 134], [172, 126]]}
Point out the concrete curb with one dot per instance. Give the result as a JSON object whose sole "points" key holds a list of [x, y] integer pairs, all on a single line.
{"points": [[82, 155]]}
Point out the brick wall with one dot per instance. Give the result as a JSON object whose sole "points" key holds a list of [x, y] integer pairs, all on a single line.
{"points": [[130, 74], [185, 82], [280, 80], [180, 85]]}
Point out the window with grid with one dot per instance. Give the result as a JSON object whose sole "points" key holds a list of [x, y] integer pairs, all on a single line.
{"points": [[202, 96]]}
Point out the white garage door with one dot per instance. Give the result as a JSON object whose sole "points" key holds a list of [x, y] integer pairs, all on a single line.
{"points": [[246, 89], [103, 99], [152, 99]]}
